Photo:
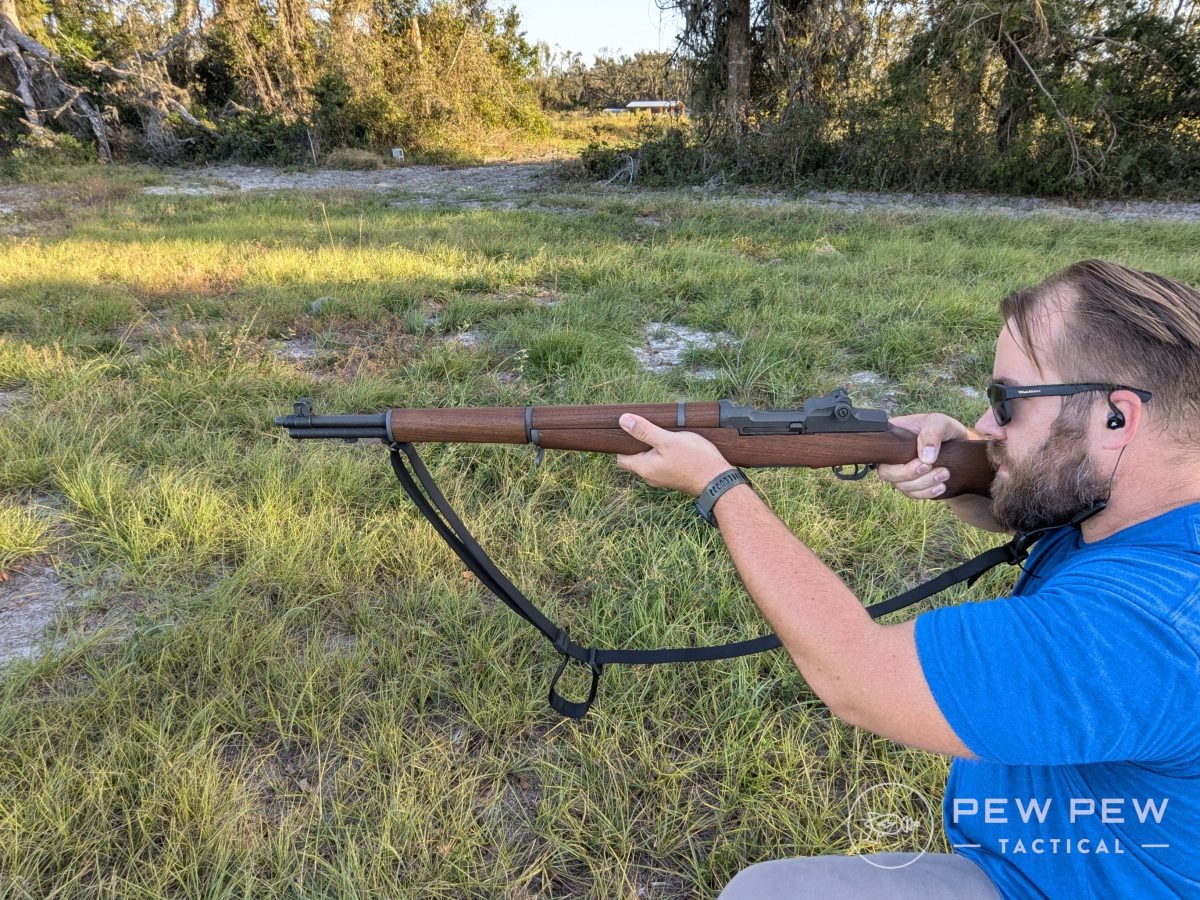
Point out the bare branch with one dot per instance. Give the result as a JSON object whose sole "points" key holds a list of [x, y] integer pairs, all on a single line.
{"points": [[1077, 161], [182, 112], [166, 48], [24, 90]]}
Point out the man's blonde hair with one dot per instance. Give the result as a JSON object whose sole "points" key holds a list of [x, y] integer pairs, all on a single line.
{"points": [[1121, 326]]}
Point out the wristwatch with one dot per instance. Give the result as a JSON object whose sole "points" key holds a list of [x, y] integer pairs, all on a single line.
{"points": [[710, 495]]}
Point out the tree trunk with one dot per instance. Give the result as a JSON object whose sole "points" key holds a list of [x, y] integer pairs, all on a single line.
{"points": [[1013, 103], [8, 10], [418, 45], [737, 62]]}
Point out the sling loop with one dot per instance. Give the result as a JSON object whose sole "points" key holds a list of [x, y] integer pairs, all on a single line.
{"points": [[419, 485]]}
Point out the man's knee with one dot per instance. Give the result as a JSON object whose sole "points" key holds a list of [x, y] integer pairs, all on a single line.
{"points": [[827, 877], [897, 875]]}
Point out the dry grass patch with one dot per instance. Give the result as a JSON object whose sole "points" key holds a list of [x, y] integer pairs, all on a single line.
{"points": [[351, 160]]}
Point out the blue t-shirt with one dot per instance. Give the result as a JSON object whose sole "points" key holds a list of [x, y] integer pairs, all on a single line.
{"points": [[1080, 694]]}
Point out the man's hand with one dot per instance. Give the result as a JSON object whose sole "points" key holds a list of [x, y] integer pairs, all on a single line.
{"points": [[679, 460], [921, 479]]}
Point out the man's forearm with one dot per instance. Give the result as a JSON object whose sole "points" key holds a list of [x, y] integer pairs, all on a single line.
{"points": [[867, 674], [821, 623]]}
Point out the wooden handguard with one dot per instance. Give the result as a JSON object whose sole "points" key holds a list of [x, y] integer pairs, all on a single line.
{"points": [[596, 429]]}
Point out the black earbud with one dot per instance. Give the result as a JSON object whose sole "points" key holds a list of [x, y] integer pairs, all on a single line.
{"points": [[1116, 419]]}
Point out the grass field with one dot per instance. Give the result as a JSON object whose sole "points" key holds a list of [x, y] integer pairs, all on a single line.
{"points": [[273, 679]]}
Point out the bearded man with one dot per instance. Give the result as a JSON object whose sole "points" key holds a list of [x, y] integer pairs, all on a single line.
{"points": [[1072, 707]]}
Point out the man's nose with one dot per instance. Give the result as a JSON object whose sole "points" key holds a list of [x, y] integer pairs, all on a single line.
{"points": [[989, 427]]}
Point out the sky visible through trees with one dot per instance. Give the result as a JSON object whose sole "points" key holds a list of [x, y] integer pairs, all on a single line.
{"points": [[612, 28]]}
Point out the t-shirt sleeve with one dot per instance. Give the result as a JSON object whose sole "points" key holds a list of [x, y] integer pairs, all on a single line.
{"points": [[1063, 677]]}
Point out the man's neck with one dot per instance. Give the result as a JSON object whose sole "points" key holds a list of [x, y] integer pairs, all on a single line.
{"points": [[1132, 504]]}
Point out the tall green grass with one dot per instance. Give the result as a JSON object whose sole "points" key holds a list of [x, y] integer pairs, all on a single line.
{"points": [[275, 681]]}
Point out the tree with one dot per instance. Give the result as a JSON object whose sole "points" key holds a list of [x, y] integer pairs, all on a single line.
{"points": [[158, 78], [748, 58], [81, 92], [1052, 74], [1040, 95], [733, 23], [35, 85]]}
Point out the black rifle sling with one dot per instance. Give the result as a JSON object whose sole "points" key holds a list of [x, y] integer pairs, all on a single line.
{"points": [[434, 507]]}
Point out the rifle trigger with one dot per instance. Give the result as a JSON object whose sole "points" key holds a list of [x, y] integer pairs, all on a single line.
{"points": [[859, 473]]}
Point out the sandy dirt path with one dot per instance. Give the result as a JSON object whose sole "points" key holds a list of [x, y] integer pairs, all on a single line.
{"points": [[507, 185]]}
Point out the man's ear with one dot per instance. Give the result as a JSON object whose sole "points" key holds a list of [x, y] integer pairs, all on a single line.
{"points": [[1125, 413]]}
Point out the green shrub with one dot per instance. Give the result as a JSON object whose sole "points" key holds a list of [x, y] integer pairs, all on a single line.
{"points": [[600, 160], [369, 116], [258, 137], [673, 156], [30, 154]]}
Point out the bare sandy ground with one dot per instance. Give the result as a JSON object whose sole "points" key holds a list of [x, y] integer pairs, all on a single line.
{"points": [[508, 185], [513, 185]]}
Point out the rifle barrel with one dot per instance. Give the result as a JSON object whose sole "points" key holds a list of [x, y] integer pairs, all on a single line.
{"points": [[347, 428]]}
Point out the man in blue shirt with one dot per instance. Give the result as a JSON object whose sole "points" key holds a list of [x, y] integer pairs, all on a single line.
{"points": [[1072, 707]]}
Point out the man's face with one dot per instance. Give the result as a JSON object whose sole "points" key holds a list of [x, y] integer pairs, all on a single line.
{"points": [[1048, 485], [1044, 472]]}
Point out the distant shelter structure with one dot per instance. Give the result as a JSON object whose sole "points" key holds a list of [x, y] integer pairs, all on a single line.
{"points": [[654, 107]]}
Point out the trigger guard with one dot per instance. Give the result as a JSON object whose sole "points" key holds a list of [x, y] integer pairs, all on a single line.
{"points": [[859, 473]]}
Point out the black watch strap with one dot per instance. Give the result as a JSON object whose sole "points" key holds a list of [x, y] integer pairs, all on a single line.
{"points": [[710, 495]]}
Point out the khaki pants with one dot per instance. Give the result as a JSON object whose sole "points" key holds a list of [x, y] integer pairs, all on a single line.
{"points": [[903, 876]]}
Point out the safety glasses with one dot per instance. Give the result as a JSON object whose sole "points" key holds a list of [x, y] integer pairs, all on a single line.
{"points": [[1000, 396]]}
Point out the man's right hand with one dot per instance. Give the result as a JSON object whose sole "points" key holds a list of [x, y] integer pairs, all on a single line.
{"points": [[922, 478]]}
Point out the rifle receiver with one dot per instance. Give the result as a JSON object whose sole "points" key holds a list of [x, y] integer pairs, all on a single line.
{"points": [[831, 414]]}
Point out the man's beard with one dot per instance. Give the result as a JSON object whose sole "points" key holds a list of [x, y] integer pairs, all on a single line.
{"points": [[1050, 486]]}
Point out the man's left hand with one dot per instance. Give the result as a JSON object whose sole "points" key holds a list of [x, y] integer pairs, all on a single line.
{"points": [[679, 460]]}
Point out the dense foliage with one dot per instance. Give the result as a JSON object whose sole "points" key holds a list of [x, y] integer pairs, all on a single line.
{"points": [[293, 79], [1063, 97], [1037, 96]]}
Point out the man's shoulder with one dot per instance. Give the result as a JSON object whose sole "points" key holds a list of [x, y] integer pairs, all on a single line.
{"points": [[1175, 530], [1168, 544], [1156, 574]]}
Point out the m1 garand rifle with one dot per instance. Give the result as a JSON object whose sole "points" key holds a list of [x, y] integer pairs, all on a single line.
{"points": [[826, 431]]}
